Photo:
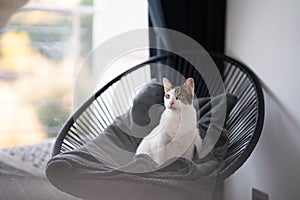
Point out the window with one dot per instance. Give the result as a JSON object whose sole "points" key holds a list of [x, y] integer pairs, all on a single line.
{"points": [[41, 49]]}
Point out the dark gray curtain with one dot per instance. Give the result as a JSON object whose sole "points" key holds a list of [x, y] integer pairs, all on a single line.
{"points": [[202, 20]]}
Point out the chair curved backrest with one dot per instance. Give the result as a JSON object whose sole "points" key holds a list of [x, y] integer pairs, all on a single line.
{"points": [[244, 123]]}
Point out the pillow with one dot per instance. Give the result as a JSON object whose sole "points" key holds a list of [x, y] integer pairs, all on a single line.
{"points": [[215, 139]]}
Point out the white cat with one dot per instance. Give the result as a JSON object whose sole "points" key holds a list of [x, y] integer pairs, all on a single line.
{"points": [[177, 134]]}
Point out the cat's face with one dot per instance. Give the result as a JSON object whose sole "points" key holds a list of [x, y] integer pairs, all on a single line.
{"points": [[176, 98]]}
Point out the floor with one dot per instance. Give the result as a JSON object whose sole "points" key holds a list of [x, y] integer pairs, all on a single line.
{"points": [[15, 187]]}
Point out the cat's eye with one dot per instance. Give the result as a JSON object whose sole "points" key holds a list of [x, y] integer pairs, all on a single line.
{"points": [[167, 96]]}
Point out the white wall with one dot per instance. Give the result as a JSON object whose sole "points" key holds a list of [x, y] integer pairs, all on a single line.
{"points": [[265, 34], [118, 16], [113, 18], [273, 166]]}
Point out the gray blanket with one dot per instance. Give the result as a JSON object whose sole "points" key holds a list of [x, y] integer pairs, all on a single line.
{"points": [[107, 168]]}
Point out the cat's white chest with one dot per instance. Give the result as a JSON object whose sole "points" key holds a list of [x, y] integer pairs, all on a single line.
{"points": [[176, 135], [171, 123]]}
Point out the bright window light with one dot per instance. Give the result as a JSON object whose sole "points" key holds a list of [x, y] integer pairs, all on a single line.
{"points": [[40, 50]]}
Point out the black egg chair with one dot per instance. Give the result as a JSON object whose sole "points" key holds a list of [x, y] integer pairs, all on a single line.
{"points": [[243, 123]]}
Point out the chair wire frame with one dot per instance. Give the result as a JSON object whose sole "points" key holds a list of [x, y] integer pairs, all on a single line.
{"points": [[244, 123]]}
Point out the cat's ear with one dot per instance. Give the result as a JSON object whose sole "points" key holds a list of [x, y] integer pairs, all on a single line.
{"points": [[189, 85], [167, 84]]}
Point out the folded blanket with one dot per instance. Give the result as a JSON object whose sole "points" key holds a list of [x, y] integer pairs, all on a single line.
{"points": [[107, 168]]}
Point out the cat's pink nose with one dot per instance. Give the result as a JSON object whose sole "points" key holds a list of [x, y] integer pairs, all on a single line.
{"points": [[172, 103]]}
